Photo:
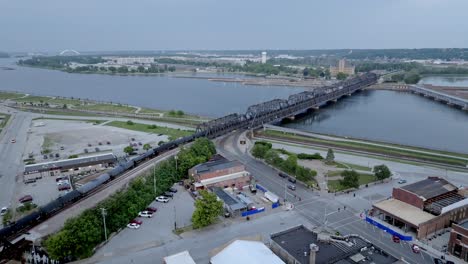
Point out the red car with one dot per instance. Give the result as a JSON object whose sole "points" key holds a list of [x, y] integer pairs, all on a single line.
{"points": [[25, 199], [396, 239], [136, 221], [64, 187], [152, 209]]}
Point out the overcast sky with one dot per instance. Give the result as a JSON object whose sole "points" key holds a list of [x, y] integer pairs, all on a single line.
{"points": [[92, 25]]}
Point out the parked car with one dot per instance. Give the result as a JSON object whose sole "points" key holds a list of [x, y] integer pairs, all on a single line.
{"points": [[291, 187], [4, 210], [86, 150], [30, 181], [169, 194], [13, 141], [291, 179], [96, 149], [89, 145], [57, 155], [133, 139], [139, 143], [162, 199], [415, 248], [133, 226], [100, 143], [282, 175], [152, 209], [173, 190], [402, 181], [145, 214], [62, 148], [25, 199], [252, 188], [45, 157], [396, 239], [136, 221], [64, 187], [108, 142]]}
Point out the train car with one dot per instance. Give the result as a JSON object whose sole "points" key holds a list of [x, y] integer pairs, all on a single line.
{"points": [[143, 156], [70, 197], [116, 171], [51, 207], [28, 220], [7, 231], [127, 165], [94, 184]]}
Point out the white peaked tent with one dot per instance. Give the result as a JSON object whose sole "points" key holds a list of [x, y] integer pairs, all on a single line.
{"points": [[246, 252]]}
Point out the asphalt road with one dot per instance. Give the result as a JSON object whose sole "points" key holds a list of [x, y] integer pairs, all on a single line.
{"points": [[320, 210], [10, 155]]}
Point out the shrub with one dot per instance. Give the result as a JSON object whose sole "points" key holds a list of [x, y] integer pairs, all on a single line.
{"points": [[306, 156]]}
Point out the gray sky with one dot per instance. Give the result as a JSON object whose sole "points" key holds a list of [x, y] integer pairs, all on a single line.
{"points": [[90, 25]]}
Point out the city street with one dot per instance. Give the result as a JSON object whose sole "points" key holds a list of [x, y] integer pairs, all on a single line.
{"points": [[320, 209]]}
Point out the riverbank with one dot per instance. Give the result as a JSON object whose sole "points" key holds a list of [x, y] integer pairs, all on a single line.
{"points": [[405, 153]]}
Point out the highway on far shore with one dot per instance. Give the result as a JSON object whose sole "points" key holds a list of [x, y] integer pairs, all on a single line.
{"points": [[321, 209]]}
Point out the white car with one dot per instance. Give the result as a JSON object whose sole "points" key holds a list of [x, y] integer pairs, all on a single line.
{"points": [[162, 199], [4, 210], [133, 226], [145, 214]]}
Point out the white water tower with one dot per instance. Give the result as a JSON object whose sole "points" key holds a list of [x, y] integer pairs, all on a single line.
{"points": [[264, 57]]}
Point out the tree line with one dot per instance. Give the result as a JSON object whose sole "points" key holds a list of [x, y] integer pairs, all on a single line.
{"points": [[263, 150], [81, 234]]}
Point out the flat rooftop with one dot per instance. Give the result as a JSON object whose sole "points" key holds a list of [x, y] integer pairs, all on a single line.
{"points": [[464, 224], [179, 258], [430, 187], [406, 212], [296, 241], [231, 201], [217, 163], [70, 163]]}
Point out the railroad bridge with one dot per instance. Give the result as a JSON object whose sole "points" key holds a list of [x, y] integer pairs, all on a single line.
{"points": [[277, 109]]}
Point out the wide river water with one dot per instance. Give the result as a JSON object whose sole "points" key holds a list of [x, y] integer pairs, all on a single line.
{"points": [[395, 117]]}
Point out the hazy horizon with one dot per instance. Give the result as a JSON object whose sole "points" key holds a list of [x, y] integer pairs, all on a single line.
{"points": [[149, 25]]}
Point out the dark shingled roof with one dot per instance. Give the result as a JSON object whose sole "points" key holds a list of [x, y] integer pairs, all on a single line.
{"points": [[218, 162], [430, 187]]}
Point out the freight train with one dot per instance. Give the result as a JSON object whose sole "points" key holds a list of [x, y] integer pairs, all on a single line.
{"points": [[48, 210]]}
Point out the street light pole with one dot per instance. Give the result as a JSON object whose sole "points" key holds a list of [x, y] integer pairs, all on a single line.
{"points": [[175, 222], [154, 179], [103, 212]]}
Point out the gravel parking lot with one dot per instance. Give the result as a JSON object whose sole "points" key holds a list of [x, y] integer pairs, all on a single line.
{"points": [[76, 136], [157, 230]]}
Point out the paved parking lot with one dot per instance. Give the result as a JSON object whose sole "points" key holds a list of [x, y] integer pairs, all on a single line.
{"points": [[157, 230]]}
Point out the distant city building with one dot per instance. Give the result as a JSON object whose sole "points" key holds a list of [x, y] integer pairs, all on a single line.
{"points": [[349, 70], [131, 60], [424, 207], [220, 172], [264, 57]]}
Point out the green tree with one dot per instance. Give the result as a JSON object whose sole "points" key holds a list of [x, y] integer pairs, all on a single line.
{"points": [[341, 76], [259, 150], [399, 77], [207, 209], [330, 156], [290, 164], [146, 146], [412, 77], [128, 150], [130, 123], [382, 172], [272, 157], [180, 113], [350, 179], [161, 142]]}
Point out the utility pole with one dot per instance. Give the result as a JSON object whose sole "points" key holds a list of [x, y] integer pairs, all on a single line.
{"points": [[154, 180], [175, 222], [104, 213]]}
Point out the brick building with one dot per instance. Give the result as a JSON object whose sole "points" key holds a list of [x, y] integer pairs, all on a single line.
{"points": [[458, 243], [220, 172], [424, 207]]}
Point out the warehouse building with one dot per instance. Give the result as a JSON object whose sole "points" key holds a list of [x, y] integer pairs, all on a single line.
{"points": [[424, 207], [60, 167], [458, 242], [220, 172]]}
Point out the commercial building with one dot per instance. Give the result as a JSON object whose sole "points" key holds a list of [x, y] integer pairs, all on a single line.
{"points": [[458, 243], [54, 168], [230, 202], [179, 258], [423, 207], [264, 57], [220, 172], [130, 60], [299, 245], [245, 251], [349, 70]]}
